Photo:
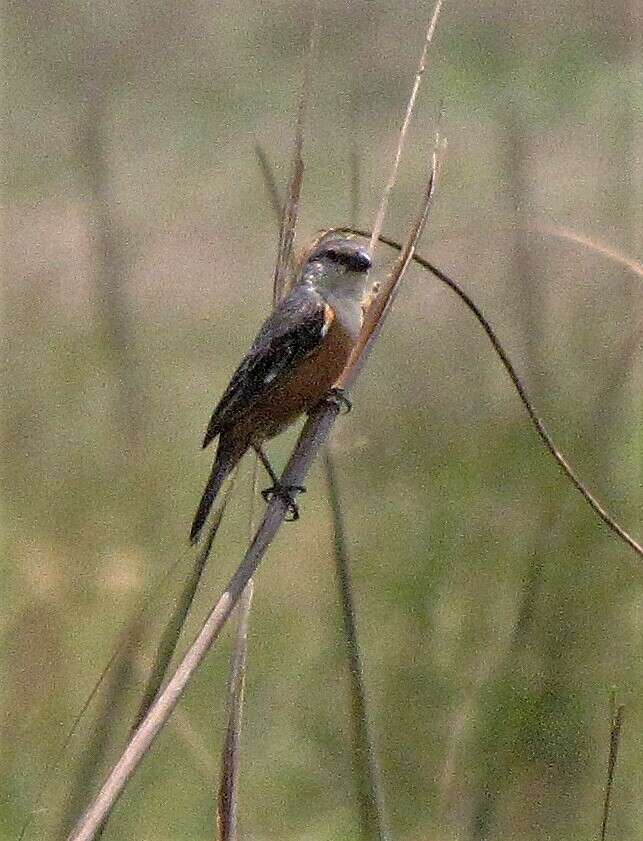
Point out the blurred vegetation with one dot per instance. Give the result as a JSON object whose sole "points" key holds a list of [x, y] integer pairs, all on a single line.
{"points": [[495, 611]]}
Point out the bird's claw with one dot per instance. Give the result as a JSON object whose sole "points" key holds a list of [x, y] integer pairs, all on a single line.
{"points": [[285, 492], [339, 398]]}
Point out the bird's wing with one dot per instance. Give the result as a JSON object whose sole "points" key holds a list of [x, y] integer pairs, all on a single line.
{"points": [[290, 334]]}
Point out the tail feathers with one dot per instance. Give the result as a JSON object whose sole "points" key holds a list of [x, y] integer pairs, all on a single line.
{"points": [[211, 433], [223, 464]]}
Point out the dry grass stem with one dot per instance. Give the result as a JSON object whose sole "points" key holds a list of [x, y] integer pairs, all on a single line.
{"points": [[119, 652], [616, 724], [379, 308], [268, 176], [194, 744], [372, 811], [290, 213], [228, 801], [567, 234], [50, 770], [174, 627], [522, 393], [499, 661], [588, 242], [374, 824], [381, 213], [105, 727]]}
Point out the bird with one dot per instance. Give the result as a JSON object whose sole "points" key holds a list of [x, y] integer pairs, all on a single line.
{"points": [[293, 363]]}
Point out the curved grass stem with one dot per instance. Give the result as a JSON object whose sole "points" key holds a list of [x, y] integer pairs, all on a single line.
{"points": [[537, 423]]}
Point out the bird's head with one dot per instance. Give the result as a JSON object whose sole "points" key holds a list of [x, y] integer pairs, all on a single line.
{"points": [[337, 265]]}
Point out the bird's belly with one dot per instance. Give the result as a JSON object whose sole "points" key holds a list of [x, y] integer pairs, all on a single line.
{"points": [[302, 390]]}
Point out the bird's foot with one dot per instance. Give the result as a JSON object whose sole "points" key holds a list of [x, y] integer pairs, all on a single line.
{"points": [[339, 398], [286, 493]]}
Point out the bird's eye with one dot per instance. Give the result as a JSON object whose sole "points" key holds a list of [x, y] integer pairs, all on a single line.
{"points": [[331, 254], [360, 261]]}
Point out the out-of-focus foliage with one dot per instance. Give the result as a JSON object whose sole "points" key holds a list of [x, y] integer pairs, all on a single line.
{"points": [[495, 612]]}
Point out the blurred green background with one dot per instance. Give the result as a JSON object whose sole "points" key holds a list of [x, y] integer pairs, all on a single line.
{"points": [[495, 612]]}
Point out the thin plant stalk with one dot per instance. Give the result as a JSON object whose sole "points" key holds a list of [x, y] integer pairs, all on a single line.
{"points": [[616, 724], [119, 653], [290, 214], [522, 639], [570, 235], [527, 633], [517, 158], [268, 175], [104, 726], [109, 262], [372, 811], [410, 107], [538, 424], [170, 638], [542, 228], [228, 799]]}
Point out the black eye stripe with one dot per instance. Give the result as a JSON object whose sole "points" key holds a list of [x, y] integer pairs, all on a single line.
{"points": [[338, 256], [354, 260]]}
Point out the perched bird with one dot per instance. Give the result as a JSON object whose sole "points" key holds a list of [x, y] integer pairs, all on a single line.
{"points": [[297, 357]]}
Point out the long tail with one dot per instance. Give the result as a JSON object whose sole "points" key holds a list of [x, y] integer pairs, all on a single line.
{"points": [[225, 460]]}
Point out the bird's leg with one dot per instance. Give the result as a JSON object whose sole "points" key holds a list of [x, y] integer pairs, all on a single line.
{"points": [[264, 460], [338, 397], [286, 492]]}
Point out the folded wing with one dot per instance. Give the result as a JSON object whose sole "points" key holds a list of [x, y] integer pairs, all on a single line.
{"points": [[291, 333]]}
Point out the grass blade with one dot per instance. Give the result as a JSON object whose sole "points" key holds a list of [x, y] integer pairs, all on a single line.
{"points": [[616, 724], [410, 107], [537, 423], [105, 725], [170, 637], [227, 809], [374, 825], [268, 176], [290, 213]]}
